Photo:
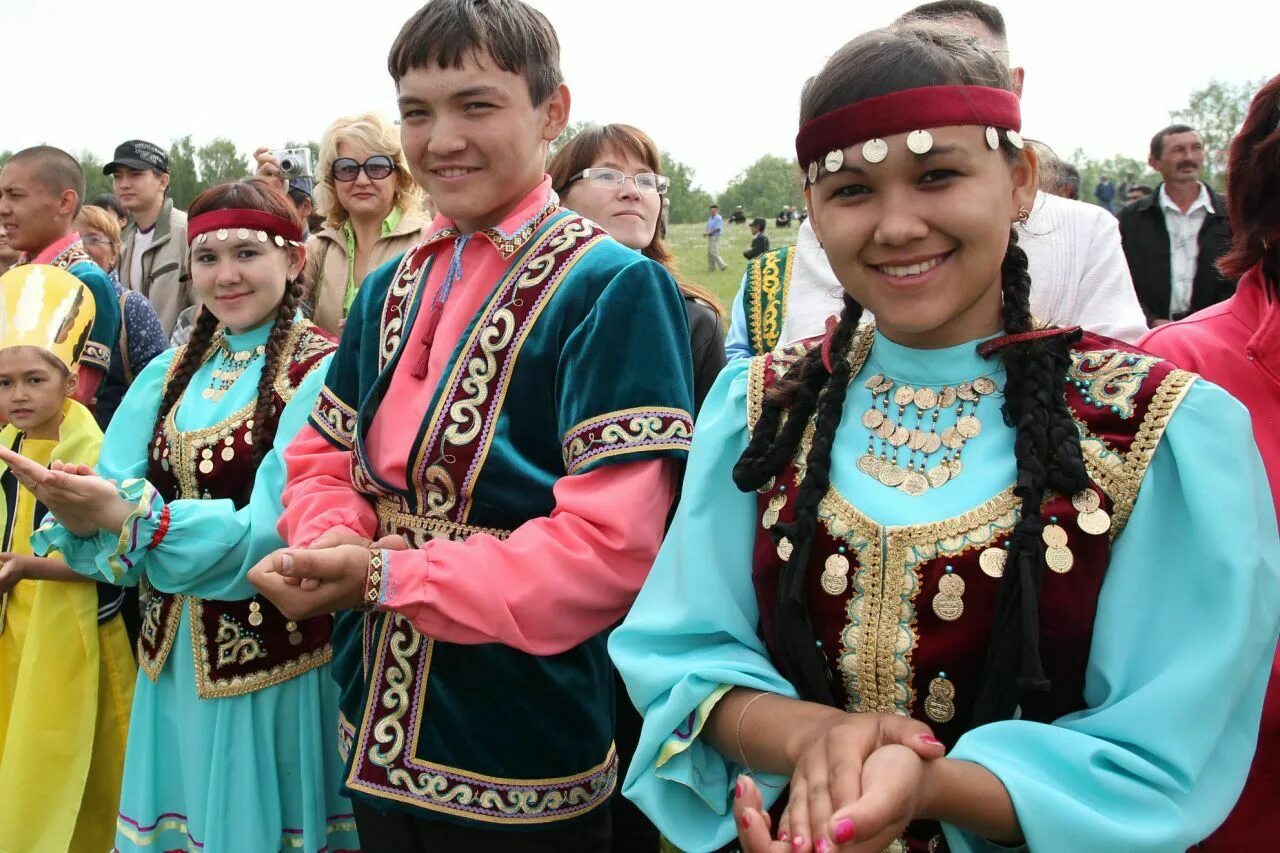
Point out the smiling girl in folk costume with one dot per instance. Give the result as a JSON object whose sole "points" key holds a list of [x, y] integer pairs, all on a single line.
{"points": [[1047, 558], [230, 747], [66, 672]]}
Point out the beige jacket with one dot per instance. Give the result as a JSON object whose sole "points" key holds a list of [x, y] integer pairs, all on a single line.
{"points": [[326, 270], [164, 265]]}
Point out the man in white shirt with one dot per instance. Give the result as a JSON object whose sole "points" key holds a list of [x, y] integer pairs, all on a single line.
{"points": [[1174, 237], [1078, 272]]}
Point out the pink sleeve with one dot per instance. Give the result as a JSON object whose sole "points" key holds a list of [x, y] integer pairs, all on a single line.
{"points": [[318, 495], [88, 378], [556, 581]]}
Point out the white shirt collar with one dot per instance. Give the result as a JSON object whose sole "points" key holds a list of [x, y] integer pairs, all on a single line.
{"points": [[1203, 200]]}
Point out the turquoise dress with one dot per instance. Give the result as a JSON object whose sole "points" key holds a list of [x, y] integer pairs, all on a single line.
{"points": [[1185, 625], [254, 772]]}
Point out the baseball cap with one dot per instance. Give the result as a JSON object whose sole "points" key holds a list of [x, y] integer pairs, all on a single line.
{"points": [[304, 184], [138, 154]]}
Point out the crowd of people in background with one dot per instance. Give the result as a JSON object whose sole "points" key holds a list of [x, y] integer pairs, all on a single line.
{"points": [[386, 469]]}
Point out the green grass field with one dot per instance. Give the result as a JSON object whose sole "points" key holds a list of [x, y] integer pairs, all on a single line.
{"points": [[690, 249]]}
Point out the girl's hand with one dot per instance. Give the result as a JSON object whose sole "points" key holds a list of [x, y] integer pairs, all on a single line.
{"points": [[830, 804], [753, 822], [11, 571], [83, 502]]}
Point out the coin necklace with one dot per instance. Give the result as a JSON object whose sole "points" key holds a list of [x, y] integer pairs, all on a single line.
{"points": [[921, 443], [231, 366]]}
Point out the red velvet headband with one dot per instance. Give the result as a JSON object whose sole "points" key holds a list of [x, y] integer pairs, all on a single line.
{"points": [[910, 109], [238, 218]]}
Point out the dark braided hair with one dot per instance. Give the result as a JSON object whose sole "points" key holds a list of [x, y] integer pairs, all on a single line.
{"points": [[1047, 444], [809, 388], [249, 194]]}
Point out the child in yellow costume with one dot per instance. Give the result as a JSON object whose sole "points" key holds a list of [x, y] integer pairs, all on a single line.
{"points": [[66, 670]]}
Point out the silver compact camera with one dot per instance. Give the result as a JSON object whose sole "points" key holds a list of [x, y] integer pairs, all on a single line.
{"points": [[294, 162]]}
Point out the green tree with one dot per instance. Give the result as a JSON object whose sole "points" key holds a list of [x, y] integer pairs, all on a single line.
{"points": [[689, 202], [95, 183], [1217, 111], [768, 185], [220, 162], [1117, 167], [571, 130], [184, 184]]}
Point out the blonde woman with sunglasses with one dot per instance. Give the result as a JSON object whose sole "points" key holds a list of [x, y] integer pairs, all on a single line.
{"points": [[372, 207]]}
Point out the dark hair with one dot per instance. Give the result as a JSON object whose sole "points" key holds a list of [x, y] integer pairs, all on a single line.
{"points": [[55, 169], [250, 194], [108, 201], [1047, 444], [1253, 189], [1142, 188], [760, 222], [447, 33], [943, 10], [585, 148], [1157, 141]]}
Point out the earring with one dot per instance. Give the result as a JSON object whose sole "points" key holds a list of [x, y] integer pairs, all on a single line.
{"points": [[1023, 215]]}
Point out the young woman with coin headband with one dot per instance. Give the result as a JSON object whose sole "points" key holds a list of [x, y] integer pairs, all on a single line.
{"points": [[910, 575], [230, 742]]}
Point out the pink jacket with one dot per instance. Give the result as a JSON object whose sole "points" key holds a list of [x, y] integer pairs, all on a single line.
{"points": [[1236, 345]]}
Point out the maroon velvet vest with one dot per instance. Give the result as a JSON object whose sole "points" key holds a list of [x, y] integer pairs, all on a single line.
{"points": [[239, 646], [887, 649]]}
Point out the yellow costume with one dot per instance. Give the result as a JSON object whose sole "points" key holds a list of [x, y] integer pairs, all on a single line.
{"points": [[66, 681]]}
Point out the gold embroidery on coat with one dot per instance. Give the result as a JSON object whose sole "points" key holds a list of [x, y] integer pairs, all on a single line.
{"points": [[646, 428], [1110, 378], [233, 646]]}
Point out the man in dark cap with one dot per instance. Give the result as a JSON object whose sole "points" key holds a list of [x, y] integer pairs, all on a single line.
{"points": [[154, 259], [759, 239]]}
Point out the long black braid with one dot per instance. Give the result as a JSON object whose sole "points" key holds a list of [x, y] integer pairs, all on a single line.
{"points": [[189, 361], [807, 388], [1047, 447], [264, 407]]}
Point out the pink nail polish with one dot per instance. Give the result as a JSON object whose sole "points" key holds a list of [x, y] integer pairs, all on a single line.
{"points": [[931, 740], [737, 790], [783, 836], [844, 830], [822, 846], [798, 842], [746, 820]]}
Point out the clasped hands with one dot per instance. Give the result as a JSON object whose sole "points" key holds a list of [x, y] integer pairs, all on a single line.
{"points": [[325, 577], [860, 780]]}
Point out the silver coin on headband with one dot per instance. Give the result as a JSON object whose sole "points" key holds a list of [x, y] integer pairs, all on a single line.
{"points": [[834, 160], [920, 141], [875, 150], [993, 138]]}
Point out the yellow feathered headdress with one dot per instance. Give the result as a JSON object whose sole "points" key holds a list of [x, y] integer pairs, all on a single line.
{"points": [[47, 307]]}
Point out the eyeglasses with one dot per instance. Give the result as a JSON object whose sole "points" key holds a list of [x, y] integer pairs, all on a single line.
{"points": [[612, 179], [377, 167], [95, 240]]}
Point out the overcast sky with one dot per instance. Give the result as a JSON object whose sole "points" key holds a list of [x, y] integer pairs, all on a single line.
{"points": [[715, 82]]}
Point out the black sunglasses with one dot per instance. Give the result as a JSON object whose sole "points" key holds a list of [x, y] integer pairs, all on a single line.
{"points": [[377, 167]]}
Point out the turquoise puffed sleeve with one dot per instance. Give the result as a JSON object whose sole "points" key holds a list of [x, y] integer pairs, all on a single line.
{"points": [[1182, 645], [209, 545], [737, 343], [692, 635]]}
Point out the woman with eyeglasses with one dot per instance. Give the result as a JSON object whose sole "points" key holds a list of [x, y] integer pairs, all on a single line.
{"points": [[372, 211], [612, 175]]}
